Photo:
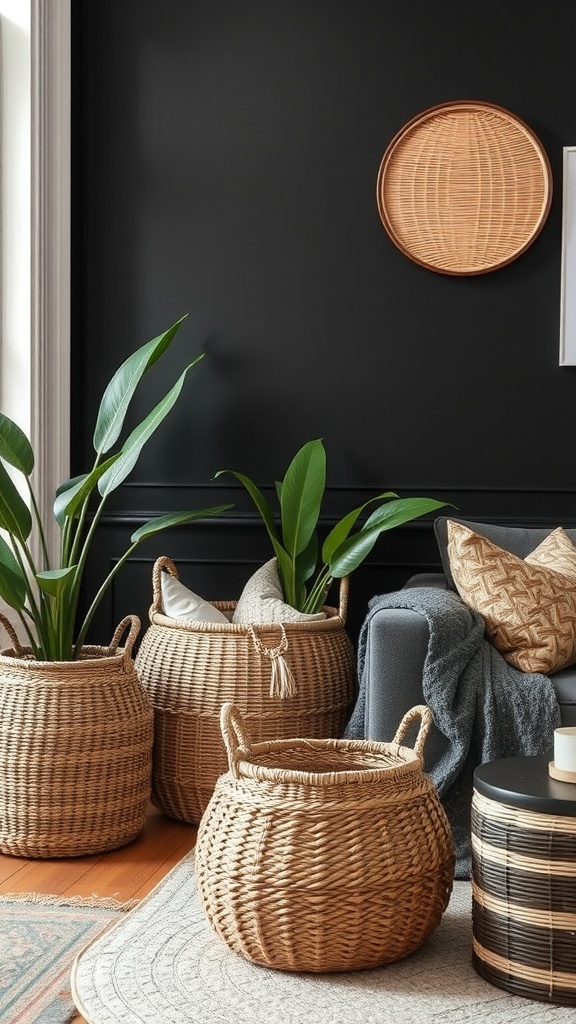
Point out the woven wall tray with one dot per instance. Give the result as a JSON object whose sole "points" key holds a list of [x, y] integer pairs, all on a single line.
{"points": [[464, 188]]}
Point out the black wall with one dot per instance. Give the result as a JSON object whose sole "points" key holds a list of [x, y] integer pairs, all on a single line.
{"points": [[225, 155]]}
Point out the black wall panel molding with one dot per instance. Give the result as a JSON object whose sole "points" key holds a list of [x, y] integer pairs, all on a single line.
{"points": [[224, 163], [216, 556]]}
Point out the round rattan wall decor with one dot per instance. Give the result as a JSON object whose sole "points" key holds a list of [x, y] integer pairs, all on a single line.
{"points": [[464, 188]]}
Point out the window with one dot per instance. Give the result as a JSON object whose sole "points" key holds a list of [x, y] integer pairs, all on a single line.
{"points": [[35, 196]]}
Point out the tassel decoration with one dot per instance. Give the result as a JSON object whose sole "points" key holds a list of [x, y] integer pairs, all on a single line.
{"points": [[282, 681]]}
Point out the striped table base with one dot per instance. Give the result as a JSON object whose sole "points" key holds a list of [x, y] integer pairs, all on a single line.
{"points": [[524, 900]]}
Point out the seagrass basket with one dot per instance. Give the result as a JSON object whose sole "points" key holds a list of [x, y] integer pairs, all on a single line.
{"points": [[190, 670], [464, 187], [75, 749], [324, 855]]}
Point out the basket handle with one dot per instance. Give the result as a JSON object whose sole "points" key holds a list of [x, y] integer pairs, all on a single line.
{"points": [[343, 597], [422, 712], [134, 622], [9, 628], [159, 565], [236, 737]]}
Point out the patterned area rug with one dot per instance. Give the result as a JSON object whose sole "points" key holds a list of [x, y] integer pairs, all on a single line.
{"points": [[39, 939], [162, 963]]}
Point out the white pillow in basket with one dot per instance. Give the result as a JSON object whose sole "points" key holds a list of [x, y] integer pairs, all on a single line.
{"points": [[180, 603], [261, 600]]}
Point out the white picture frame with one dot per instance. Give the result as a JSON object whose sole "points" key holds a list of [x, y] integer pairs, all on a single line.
{"points": [[568, 266]]}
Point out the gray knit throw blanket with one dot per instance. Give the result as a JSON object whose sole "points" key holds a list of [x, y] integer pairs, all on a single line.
{"points": [[485, 707]]}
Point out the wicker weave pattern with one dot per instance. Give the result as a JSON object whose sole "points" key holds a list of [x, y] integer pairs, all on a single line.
{"points": [[190, 670], [464, 188], [323, 855], [524, 900], [75, 752]]}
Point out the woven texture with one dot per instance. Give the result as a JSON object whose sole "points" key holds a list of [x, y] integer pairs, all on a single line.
{"points": [[324, 855], [528, 606], [75, 750], [261, 600], [190, 670], [524, 900], [464, 188]]}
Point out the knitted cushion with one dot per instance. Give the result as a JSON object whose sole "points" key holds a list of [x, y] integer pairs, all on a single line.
{"points": [[262, 600], [528, 605]]}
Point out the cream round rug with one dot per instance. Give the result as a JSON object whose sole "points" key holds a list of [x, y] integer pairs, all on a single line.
{"points": [[162, 964]]}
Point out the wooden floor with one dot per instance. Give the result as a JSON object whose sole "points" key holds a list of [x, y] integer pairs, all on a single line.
{"points": [[127, 873]]}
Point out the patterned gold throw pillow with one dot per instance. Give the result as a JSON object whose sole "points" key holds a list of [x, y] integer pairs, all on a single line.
{"points": [[528, 605], [556, 552]]}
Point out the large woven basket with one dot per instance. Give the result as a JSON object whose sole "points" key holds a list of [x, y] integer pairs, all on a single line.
{"points": [[190, 670], [75, 750], [324, 855]]}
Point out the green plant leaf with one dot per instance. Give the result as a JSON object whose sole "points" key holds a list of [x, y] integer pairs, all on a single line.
{"points": [[154, 526], [283, 558], [307, 560], [305, 568], [352, 552], [67, 485], [258, 499], [71, 495], [301, 496], [135, 442], [15, 448], [340, 532], [286, 573], [121, 388], [12, 579], [15, 515], [403, 510], [56, 581]]}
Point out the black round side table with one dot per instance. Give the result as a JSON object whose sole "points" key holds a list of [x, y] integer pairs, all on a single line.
{"points": [[524, 879]]}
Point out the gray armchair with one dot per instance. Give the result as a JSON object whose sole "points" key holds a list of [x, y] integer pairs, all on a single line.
{"points": [[397, 643]]}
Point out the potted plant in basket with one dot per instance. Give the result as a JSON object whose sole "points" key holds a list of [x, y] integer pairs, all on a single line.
{"points": [[76, 727], [305, 569], [290, 672]]}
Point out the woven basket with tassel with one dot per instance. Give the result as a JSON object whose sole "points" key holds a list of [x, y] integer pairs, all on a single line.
{"points": [[292, 679]]}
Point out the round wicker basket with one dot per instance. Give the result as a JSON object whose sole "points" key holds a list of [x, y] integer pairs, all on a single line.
{"points": [[324, 855], [464, 187], [191, 669], [75, 750]]}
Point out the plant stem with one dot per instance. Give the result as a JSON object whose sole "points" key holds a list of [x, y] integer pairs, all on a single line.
{"points": [[100, 594], [18, 549], [317, 595], [39, 525], [33, 642]]}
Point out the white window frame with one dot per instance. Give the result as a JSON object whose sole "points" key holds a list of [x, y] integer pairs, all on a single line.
{"points": [[50, 241], [35, 278]]}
